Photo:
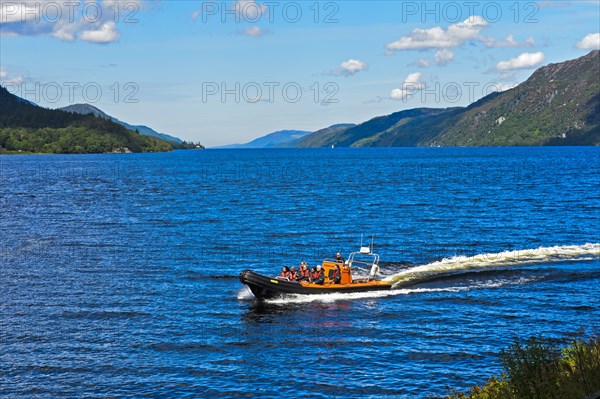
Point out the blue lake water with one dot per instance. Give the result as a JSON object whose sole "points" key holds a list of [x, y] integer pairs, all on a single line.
{"points": [[119, 272]]}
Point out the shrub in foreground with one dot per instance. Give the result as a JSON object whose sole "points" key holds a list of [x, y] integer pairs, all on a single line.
{"points": [[541, 369]]}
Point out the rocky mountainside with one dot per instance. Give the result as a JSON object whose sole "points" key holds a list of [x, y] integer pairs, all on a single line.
{"points": [[558, 105]]}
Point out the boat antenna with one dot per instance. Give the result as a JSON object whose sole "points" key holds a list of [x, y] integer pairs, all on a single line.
{"points": [[372, 242], [361, 237]]}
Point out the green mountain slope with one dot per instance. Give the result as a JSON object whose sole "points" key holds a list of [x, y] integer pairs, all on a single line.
{"points": [[558, 105], [86, 109], [28, 128], [367, 130], [412, 130], [321, 138]]}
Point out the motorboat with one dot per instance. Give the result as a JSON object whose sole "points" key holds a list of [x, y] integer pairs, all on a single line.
{"points": [[265, 287]]}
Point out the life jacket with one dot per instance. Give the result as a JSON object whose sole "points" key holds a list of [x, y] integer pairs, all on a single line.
{"points": [[304, 272], [293, 274], [314, 275], [285, 274], [336, 273]]}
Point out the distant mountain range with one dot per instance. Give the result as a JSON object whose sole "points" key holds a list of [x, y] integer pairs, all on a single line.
{"points": [[86, 109], [558, 105], [282, 138], [322, 137]]}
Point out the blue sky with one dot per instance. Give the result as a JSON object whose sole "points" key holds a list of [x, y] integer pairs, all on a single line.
{"points": [[223, 72]]}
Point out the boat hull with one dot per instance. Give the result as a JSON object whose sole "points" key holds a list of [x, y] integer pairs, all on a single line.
{"points": [[264, 287]]}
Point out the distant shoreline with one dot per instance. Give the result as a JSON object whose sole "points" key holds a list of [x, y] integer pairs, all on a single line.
{"points": [[16, 153]]}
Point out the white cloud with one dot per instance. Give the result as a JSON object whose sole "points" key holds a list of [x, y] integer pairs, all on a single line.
{"points": [[454, 36], [65, 31], [196, 14], [66, 21], [589, 42], [348, 68], [530, 42], [509, 41], [22, 11], [411, 85], [253, 31], [523, 61], [443, 57], [493, 42], [7, 78], [105, 33], [352, 67], [421, 63]]}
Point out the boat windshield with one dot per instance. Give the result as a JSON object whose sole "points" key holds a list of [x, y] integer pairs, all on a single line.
{"points": [[358, 260]]}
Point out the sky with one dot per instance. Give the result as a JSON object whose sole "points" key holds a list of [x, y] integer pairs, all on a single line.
{"points": [[224, 72]]}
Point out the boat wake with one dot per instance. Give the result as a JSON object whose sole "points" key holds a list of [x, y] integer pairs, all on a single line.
{"points": [[406, 281], [330, 298], [462, 264]]}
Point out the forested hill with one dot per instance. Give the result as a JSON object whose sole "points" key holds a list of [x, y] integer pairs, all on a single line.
{"points": [[25, 127], [85, 109], [558, 105]]}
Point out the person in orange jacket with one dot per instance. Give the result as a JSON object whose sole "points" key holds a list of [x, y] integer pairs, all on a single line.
{"points": [[320, 276], [285, 273], [337, 275], [303, 273]]}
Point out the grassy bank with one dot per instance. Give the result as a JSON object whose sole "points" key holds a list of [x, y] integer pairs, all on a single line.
{"points": [[543, 369]]}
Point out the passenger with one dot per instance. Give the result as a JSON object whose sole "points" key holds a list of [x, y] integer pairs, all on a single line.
{"points": [[314, 274], [285, 273], [293, 273], [304, 273], [320, 276], [337, 275], [338, 258]]}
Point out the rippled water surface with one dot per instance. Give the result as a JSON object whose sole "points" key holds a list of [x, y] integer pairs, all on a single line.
{"points": [[119, 272]]}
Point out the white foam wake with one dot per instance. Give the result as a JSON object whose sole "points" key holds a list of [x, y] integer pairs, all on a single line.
{"points": [[330, 298], [451, 266], [459, 264]]}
